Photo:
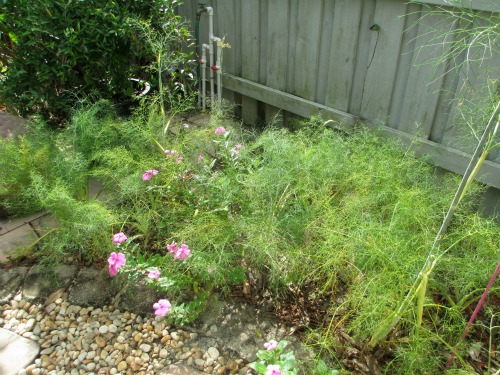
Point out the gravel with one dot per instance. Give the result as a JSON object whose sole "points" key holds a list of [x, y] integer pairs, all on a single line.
{"points": [[85, 340]]}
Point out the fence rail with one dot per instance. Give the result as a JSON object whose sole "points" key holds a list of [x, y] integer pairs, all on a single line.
{"points": [[371, 60]]}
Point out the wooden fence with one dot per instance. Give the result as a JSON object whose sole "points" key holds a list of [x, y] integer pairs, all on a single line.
{"points": [[351, 60]]}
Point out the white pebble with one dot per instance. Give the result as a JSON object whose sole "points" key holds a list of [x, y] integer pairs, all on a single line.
{"points": [[112, 328]]}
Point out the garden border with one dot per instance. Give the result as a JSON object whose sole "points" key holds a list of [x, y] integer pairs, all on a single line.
{"points": [[439, 155]]}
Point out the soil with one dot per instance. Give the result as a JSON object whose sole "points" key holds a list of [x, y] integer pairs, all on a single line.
{"points": [[10, 124]]}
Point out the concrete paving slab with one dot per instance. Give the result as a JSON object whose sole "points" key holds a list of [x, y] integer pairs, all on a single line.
{"points": [[200, 119], [94, 287], [179, 369], [42, 281], [43, 224], [139, 299], [97, 190], [7, 225], [11, 281], [16, 352], [12, 241]]}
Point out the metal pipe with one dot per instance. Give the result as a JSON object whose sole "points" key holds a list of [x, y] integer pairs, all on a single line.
{"points": [[218, 66], [210, 12], [203, 62], [201, 9]]}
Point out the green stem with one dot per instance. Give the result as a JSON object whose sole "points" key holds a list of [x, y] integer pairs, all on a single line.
{"points": [[472, 169]]}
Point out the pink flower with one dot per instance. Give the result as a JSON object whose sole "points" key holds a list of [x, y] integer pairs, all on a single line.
{"points": [[170, 153], [148, 175], [182, 253], [179, 159], [172, 248], [271, 345], [238, 146], [273, 370], [220, 130], [162, 307], [116, 261], [154, 274], [200, 158], [119, 238]]}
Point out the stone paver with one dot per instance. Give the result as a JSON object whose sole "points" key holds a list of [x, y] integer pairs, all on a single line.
{"points": [[12, 241], [43, 224], [138, 298], [7, 225], [16, 352], [10, 282], [41, 282], [94, 287], [179, 369]]}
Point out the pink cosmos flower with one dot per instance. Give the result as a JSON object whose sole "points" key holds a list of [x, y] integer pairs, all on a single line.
{"points": [[148, 175], [119, 238], [162, 307], [220, 130], [200, 158], [116, 261], [273, 370], [179, 159], [271, 345], [172, 248], [182, 253], [154, 274]]}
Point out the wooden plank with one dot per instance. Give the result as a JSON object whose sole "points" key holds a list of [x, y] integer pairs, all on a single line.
{"points": [[292, 46], [262, 22], [325, 50], [363, 55], [288, 102], [472, 97], [346, 24], [405, 64], [381, 69], [442, 156], [424, 79], [274, 116], [307, 49], [224, 16], [488, 5], [225, 28], [277, 51], [277, 44], [443, 118], [250, 51]]}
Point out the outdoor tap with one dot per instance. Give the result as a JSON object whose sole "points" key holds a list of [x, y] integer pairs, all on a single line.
{"points": [[202, 9]]}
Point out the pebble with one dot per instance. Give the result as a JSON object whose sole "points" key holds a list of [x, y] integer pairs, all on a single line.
{"points": [[79, 340]]}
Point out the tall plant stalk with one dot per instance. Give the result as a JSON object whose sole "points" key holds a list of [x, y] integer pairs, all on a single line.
{"points": [[420, 285]]}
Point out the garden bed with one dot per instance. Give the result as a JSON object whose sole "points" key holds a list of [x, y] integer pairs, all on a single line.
{"points": [[327, 230]]}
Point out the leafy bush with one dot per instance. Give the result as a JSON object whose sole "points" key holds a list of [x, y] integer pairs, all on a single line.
{"points": [[39, 152], [57, 52]]}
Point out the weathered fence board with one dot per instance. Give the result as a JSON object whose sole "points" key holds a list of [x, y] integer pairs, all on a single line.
{"points": [[370, 60], [344, 41], [250, 48], [380, 76]]}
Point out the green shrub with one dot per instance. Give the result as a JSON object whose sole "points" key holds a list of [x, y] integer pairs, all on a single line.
{"points": [[57, 52], [39, 152]]}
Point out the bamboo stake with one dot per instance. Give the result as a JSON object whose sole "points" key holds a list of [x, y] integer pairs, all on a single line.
{"points": [[475, 164]]}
